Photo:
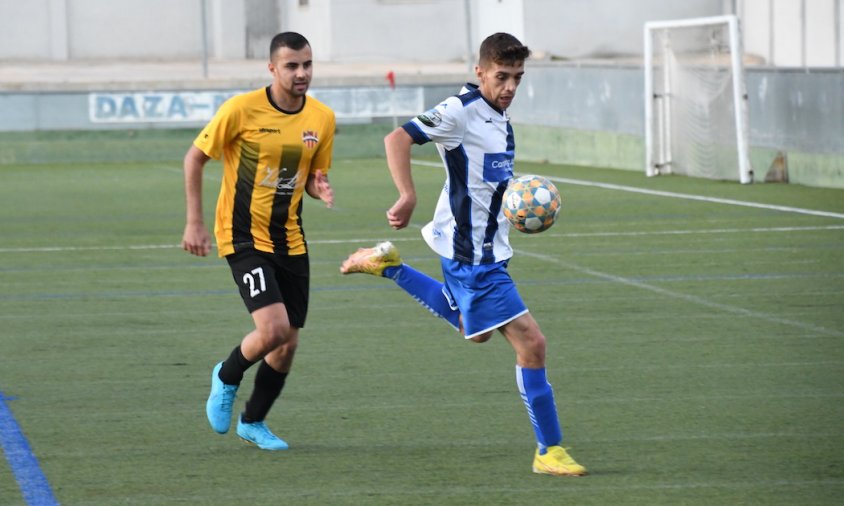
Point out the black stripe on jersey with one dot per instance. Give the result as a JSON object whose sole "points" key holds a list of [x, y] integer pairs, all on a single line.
{"points": [[511, 139], [487, 256], [288, 169], [299, 221], [418, 136], [461, 204], [241, 215], [470, 96]]}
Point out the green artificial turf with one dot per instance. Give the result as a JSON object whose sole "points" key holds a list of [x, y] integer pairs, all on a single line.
{"points": [[696, 348]]}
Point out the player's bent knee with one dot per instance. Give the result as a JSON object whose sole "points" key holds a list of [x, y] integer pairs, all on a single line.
{"points": [[274, 335], [290, 344], [536, 341], [481, 338]]}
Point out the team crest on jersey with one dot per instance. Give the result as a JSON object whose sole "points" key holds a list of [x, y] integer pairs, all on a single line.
{"points": [[309, 138], [432, 118]]}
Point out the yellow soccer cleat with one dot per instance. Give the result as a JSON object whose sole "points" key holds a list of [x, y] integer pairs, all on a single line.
{"points": [[557, 462], [372, 260]]}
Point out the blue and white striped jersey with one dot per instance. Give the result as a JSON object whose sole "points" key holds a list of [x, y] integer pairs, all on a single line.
{"points": [[475, 141]]}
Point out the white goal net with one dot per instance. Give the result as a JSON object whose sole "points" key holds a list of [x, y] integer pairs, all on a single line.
{"points": [[695, 99]]}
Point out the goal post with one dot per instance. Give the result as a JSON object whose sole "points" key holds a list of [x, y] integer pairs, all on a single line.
{"points": [[696, 118]]}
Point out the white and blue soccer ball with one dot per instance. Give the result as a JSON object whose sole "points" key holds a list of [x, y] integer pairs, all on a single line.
{"points": [[532, 204]]}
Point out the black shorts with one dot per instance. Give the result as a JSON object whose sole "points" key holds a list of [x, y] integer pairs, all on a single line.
{"points": [[266, 278]]}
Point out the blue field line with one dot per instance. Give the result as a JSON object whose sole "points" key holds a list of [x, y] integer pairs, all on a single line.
{"points": [[150, 294], [34, 487]]}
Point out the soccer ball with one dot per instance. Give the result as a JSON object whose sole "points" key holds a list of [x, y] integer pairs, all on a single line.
{"points": [[532, 204]]}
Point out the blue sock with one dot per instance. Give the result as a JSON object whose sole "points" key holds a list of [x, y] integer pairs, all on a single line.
{"points": [[425, 289], [539, 400]]}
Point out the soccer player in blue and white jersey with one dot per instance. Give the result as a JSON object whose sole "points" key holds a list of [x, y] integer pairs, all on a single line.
{"points": [[469, 232]]}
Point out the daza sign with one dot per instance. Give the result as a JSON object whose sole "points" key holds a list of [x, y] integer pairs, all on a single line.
{"points": [[155, 106]]}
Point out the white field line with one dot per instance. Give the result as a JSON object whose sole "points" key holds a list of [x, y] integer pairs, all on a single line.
{"points": [[701, 231], [558, 179], [370, 240], [633, 189], [689, 298], [714, 200], [52, 249]]}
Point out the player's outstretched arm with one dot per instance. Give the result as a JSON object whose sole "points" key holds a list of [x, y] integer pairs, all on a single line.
{"points": [[318, 187], [397, 146], [196, 240]]}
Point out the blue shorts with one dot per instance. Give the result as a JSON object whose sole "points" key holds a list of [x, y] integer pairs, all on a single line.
{"points": [[485, 295]]}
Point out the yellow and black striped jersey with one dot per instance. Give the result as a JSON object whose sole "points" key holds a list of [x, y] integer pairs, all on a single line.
{"points": [[267, 156]]}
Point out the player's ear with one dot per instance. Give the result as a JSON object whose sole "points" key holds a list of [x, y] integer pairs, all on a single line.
{"points": [[479, 71]]}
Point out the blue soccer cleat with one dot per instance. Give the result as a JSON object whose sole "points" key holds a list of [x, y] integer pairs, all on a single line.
{"points": [[219, 405], [258, 434]]}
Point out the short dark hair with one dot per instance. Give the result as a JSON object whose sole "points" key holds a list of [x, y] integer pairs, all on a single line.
{"points": [[293, 40], [502, 48]]}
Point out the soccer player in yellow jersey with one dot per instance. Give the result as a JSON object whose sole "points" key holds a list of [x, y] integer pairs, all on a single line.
{"points": [[276, 144]]}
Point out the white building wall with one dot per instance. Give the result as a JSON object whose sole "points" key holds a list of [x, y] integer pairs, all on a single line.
{"points": [[793, 33], [498, 16], [119, 29], [226, 31], [570, 29], [820, 33], [25, 30], [787, 33], [314, 21], [756, 29], [404, 30]]}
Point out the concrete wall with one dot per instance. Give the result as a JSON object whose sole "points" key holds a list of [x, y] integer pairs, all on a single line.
{"points": [[314, 22], [776, 32], [565, 113], [375, 30], [35, 30], [340, 30], [572, 29], [594, 116], [132, 30], [226, 34], [571, 113], [191, 108], [793, 33]]}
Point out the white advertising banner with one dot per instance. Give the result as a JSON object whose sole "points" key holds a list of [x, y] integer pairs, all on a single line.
{"points": [[198, 106]]}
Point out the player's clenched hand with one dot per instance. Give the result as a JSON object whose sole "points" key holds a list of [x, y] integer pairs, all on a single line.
{"points": [[196, 239], [399, 215]]}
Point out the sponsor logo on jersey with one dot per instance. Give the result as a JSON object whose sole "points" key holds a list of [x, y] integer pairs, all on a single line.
{"points": [[309, 138], [431, 118], [498, 166], [280, 180], [286, 186], [265, 130]]}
